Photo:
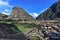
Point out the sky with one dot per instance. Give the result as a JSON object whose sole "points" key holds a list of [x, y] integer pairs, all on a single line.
{"points": [[33, 7]]}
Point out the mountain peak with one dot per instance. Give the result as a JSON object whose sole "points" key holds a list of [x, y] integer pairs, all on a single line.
{"points": [[20, 14], [52, 13], [17, 7]]}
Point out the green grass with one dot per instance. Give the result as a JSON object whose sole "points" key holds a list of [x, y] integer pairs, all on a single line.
{"points": [[24, 27]]}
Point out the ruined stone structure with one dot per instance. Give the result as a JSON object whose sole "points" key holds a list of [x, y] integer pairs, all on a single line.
{"points": [[39, 21]]}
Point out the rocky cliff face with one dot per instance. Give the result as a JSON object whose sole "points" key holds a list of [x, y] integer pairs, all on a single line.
{"points": [[52, 13], [20, 14], [9, 32]]}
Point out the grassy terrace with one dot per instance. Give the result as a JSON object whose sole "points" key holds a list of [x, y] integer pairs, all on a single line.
{"points": [[24, 27]]}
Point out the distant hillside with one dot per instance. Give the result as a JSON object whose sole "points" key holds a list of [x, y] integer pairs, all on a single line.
{"points": [[20, 14], [3, 16], [52, 13]]}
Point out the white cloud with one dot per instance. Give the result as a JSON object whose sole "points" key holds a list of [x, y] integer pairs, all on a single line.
{"points": [[5, 13], [34, 14], [2, 3], [5, 7], [6, 10]]}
